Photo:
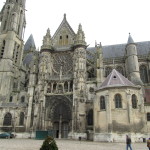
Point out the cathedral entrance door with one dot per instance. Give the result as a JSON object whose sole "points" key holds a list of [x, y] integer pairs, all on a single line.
{"points": [[56, 129], [61, 120], [65, 128]]}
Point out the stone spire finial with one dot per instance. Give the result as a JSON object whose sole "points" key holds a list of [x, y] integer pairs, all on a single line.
{"points": [[99, 49], [130, 40], [47, 41], [48, 33], [64, 16], [80, 37]]}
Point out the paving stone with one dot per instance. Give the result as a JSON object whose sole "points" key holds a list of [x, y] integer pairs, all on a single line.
{"points": [[32, 144]]}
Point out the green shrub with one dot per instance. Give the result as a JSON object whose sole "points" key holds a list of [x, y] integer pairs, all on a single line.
{"points": [[49, 144]]}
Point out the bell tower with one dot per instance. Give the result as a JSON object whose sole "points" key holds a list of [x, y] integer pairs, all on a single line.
{"points": [[132, 62], [12, 18], [80, 81]]}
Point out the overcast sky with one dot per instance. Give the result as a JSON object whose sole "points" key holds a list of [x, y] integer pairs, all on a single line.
{"points": [[106, 21]]}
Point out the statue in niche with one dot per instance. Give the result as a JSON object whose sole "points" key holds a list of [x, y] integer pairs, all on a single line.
{"points": [[49, 88], [60, 88]]}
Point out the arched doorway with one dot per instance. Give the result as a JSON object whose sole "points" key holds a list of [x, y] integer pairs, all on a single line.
{"points": [[61, 120]]}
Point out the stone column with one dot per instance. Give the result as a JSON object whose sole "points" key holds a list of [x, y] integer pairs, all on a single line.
{"points": [[68, 86], [60, 121], [108, 111], [28, 122], [52, 87], [129, 108], [41, 114]]}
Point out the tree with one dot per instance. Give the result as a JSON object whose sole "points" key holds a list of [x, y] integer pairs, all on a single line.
{"points": [[49, 144]]}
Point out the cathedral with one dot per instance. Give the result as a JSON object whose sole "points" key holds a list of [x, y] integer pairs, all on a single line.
{"points": [[99, 93]]}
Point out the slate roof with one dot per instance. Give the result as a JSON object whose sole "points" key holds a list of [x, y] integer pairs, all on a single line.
{"points": [[114, 51], [64, 23], [130, 40], [30, 43], [29, 57], [115, 79]]}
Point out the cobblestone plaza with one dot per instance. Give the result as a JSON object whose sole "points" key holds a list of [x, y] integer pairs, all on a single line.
{"points": [[31, 144]]}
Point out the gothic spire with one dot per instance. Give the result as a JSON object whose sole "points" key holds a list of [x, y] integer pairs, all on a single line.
{"points": [[80, 37], [130, 40], [30, 44], [47, 41], [98, 48]]}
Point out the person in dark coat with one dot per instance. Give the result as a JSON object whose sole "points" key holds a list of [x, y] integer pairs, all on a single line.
{"points": [[148, 143], [128, 143]]}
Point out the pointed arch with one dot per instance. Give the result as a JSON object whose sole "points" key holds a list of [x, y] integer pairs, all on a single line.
{"points": [[91, 73], [90, 117], [66, 86], [11, 99], [102, 103], [22, 99], [71, 86], [143, 73], [21, 121], [3, 49], [7, 119], [134, 101]]}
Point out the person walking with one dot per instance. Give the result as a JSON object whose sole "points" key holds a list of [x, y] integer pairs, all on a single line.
{"points": [[148, 143], [128, 143]]}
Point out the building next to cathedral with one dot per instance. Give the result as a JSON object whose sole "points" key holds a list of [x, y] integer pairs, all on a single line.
{"points": [[98, 93]]}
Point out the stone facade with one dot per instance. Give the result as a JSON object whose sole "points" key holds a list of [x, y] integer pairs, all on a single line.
{"points": [[60, 87]]}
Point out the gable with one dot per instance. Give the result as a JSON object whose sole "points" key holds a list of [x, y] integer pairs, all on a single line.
{"points": [[64, 35]]}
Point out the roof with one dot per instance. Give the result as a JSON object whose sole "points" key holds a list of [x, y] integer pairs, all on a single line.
{"points": [[115, 79], [114, 51], [30, 43], [64, 23], [130, 40], [27, 60]]}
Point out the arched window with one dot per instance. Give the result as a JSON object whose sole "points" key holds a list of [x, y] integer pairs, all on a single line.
{"points": [[22, 99], [108, 71], [91, 73], [21, 121], [54, 87], [120, 70], [71, 86], [8, 7], [2, 51], [66, 86], [49, 88], [10, 99], [7, 119], [143, 74], [148, 116], [102, 103], [118, 102], [90, 117], [60, 40], [134, 101], [67, 37]]}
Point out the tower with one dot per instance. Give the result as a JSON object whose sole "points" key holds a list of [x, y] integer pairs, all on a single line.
{"points": [[45, 70], [79, 80], [99, 64], [132, 62], [12, 19]]}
